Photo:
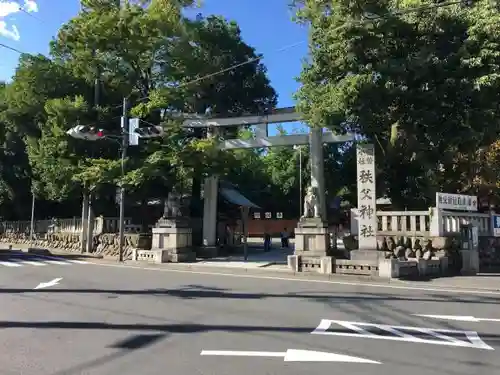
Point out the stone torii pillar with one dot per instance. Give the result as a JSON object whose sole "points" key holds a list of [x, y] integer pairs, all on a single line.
{"points": [[316, 138], [318, 168]]}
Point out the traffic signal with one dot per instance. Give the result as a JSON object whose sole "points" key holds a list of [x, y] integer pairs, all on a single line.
{"points": [[89, 133], [149, 132]]}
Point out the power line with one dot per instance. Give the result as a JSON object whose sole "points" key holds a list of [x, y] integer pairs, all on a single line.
{"points": [[225, 70], [11, 48], [30, 14], [261, 56]]}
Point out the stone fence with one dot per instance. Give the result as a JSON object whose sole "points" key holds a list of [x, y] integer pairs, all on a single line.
{"points": [[65, 235], [426, 224], [409, 234], [68, 226]]}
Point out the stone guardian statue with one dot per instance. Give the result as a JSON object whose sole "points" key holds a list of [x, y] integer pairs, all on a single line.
{"points": [[172, 207], [311, 204]]}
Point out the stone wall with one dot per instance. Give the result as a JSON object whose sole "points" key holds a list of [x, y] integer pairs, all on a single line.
{"points": [[489, 253], [106, 244], [406, 248]]}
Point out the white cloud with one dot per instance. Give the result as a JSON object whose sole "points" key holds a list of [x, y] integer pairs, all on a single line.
{"points": [[8, 8], [30, 6]]}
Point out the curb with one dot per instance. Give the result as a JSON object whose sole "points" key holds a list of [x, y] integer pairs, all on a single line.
{"points": [[301, 275], [258, 270]]}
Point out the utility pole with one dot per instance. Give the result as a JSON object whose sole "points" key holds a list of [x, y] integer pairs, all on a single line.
{"points": [[32, 223], [90, 212], [124, 127]]}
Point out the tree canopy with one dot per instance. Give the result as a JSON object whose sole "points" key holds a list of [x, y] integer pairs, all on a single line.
{"points": [[164, 63], [422, 85]]}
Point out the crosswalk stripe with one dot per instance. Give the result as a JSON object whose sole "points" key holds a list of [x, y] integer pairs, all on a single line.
{"points": [[50, 261], [10, 264], [43, 258], [39, 261], [31, 263], [77, 261]]}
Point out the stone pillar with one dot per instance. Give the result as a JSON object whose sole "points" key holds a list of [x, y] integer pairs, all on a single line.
{"points": [[90, 228], [436, 228], [210, 196], [367, 223], [312, 237], [470, 249], [172, 241], [318, 168], [85, 213]]}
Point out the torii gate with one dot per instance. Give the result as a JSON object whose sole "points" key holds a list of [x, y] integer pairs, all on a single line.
{"points": [[315, 138]]}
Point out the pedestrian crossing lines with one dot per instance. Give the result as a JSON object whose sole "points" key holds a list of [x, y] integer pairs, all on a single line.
{"points": [[18, 260]]}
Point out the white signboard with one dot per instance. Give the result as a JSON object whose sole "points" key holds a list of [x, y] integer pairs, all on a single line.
{"points": [[457, 202], [367, 202], [496, 225], [268, 215], [256, 215], [279, 215]]}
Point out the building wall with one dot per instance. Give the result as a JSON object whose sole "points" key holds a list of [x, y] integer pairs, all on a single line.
{"points": [[257, 227]]}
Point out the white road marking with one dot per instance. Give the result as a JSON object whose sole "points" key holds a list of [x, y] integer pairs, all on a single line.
{"points": [[50, 261], [10, 264], [308, 281], [442, 336], [460, 318], [49, 283], [32, 263], [77, 261], [292, 355], [58, 259]]}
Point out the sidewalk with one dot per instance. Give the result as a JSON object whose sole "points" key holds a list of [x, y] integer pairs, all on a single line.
{"points": [[257, 258]]}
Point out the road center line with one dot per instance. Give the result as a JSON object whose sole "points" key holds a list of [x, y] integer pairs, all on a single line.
{"points": [[309, 281]]}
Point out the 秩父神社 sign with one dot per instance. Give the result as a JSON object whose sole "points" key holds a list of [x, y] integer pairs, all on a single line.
{"points": [[458, 202]]}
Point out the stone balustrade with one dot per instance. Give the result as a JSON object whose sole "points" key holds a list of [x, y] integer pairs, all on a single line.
{"points": [[71, 226], [426, 224], [410, 234]]}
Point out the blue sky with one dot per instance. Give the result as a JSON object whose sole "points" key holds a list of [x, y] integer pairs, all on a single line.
{"points": [[265, 24]]}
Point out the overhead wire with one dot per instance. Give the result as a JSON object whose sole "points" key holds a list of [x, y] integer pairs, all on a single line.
{"points": [[261, 56], [11, 48]]}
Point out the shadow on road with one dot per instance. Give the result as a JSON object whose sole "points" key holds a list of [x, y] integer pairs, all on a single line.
{"points": [[184, 328], [132, 343], [201, 292]]}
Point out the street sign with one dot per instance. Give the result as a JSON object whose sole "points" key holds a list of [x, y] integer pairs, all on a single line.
{"points": [[268, 215], [133, 137], [457, 202], [256, 215], [433, 336], [292, 355], [279, 215], [496, 225]]}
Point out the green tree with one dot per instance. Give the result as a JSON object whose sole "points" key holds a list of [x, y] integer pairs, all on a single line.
{"points": [[423, 86]]}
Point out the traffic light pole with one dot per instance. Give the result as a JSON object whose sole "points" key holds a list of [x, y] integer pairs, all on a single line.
{"points": [[122, 187]]}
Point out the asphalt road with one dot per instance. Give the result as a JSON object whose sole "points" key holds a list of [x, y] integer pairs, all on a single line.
{"points": [[107, 319]]}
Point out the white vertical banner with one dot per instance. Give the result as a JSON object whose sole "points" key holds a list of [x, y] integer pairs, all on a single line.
{"points": [[133, 137], [367, 198]]}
